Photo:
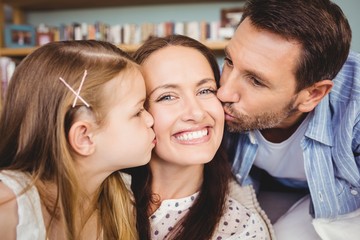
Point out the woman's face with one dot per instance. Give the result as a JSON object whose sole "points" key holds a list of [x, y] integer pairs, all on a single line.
{"points": [[189, 119]]}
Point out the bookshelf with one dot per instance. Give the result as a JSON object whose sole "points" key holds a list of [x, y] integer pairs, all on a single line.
{"points": [[18, 52], [21, 11], [20, 7], [36, 5]]}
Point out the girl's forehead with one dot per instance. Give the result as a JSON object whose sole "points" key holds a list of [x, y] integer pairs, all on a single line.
{"points": [[122, 83]]}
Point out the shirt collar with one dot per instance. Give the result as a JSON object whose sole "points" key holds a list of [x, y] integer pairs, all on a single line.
{"points": [[319, 128]]}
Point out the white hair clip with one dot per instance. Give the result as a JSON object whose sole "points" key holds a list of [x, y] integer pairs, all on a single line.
{"points": [[77, 94]]}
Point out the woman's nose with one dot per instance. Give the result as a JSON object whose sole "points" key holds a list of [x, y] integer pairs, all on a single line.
{"points": [[193, 111]]}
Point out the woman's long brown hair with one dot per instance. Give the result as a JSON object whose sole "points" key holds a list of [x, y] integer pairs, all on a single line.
{"points": [[203, 218]]}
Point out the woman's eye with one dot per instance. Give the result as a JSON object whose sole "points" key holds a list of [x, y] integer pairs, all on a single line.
{"points": [[207, 91], [165, 98]]}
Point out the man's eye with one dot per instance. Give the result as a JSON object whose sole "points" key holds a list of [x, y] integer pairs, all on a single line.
{"points": [[228, 61], [256, 82]]}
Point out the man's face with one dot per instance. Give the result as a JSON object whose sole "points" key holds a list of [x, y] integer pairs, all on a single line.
{"points": [[258, 82]]}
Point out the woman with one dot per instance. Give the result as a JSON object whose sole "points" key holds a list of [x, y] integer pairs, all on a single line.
{"points": [[183, 192]]}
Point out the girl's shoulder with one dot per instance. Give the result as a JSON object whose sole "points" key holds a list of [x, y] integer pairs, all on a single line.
{"points": [[8, 212], [20, 207], [6, 193]]}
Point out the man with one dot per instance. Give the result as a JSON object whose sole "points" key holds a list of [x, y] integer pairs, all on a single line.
{"points": [[294, 117]]}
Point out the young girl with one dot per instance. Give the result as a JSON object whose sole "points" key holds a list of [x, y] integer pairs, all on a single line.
{"points": [[73, 116], [183, 192]]}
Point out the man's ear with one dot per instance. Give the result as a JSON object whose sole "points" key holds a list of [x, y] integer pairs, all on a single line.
{"points": [[314, 94], [80, 138]]}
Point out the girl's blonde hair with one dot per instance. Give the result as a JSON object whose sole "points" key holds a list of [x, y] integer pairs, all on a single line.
{"points": [[35, 121]]}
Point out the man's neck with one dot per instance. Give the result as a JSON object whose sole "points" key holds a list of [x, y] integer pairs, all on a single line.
{"points": [[278, 135]]}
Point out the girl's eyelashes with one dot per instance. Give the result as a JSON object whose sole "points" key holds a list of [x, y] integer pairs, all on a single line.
{"points": [[138, 114]]}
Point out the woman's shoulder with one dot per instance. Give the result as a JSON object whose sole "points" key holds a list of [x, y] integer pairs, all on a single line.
{"points": [[238, 215], [246, 196], [239, 222]]}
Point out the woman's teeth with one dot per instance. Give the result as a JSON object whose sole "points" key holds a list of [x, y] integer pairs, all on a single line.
{"points": [[192, 135]]}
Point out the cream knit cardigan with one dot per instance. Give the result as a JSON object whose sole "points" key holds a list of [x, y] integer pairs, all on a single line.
{"points": [[246, 196]]}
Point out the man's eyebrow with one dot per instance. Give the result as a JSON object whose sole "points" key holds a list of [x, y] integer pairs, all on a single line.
{"points": [[253, 72], [226, 51]]}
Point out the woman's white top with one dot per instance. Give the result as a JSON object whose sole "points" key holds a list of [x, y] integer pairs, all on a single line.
{"points": [[31, 223], [237, 222]]}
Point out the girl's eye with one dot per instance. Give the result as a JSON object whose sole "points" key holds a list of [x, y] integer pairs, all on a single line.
{"points": [[138, 114], [228, 61]]}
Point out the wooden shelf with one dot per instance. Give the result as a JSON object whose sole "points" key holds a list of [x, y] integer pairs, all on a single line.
{"points": [[15, 52], [68, 4], [216, 46], [22, 6]]}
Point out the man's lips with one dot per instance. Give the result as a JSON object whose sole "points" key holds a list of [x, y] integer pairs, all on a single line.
{"points": [[229, 117]]}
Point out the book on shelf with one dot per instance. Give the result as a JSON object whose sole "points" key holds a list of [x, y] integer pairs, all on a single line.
{"points": [[130, 33], [7, 68]]}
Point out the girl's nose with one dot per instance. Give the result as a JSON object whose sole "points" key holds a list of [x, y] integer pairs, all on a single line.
{"points": [[149, 120]]}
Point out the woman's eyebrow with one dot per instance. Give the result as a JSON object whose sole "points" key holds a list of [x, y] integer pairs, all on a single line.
{"points": [[164, 86]]}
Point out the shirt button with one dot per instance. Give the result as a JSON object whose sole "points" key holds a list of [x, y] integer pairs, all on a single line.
{"points": [[320, 197], [252, 137], [238, 177], [354, 192]]}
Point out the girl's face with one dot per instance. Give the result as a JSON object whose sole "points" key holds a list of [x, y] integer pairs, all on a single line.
{"points": [[189, 119], [126, 139]]}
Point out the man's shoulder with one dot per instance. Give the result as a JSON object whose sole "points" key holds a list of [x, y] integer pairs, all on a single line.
{"points": [[350, 71], [234, 135], [347, 82], [232, 139]]}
